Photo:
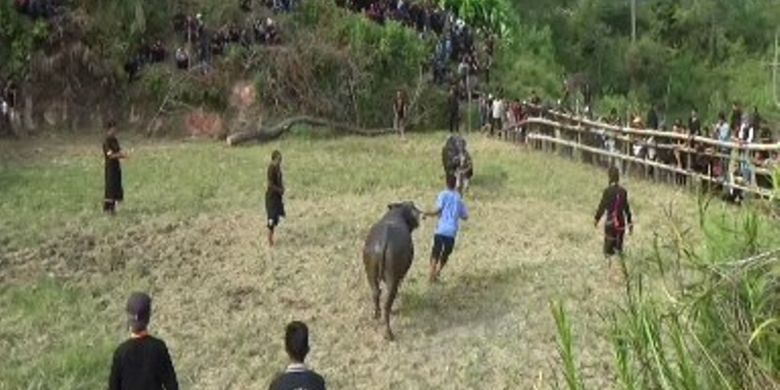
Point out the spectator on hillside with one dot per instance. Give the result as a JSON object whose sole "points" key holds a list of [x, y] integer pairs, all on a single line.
{"points": [[652, 119], [297, 376], [245, 5], [217, 45], [755, 119], [614, 118], [182, 58], [736, 116], [158, 52], [694, 124], [454, 110], [143, 361], [132, 67], [535, 100], [271, 35]]}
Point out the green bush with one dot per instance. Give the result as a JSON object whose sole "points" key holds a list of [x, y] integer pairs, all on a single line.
{"points": [[699, 315]]}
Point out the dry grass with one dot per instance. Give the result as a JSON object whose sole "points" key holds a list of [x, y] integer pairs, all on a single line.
{"points": [[191, 233]]}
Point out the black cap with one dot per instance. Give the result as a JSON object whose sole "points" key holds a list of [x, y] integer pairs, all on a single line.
{"points": [[139, 310]]}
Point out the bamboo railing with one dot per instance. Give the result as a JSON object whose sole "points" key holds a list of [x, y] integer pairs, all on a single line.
{"points": [[574, 136]]}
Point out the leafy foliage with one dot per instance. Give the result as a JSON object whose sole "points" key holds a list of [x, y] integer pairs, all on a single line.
{"points": [[703, 53]]}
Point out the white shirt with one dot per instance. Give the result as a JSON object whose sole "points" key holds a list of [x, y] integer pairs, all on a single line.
{"points": [[746, 133], [498, 108], [4, 108]]}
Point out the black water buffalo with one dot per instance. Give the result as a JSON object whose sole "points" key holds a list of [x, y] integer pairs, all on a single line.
{"points": [[388, 254], [456, 161]]}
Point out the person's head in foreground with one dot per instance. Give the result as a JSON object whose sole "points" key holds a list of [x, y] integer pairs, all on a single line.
{"points": [[451, 182], [296, 341], [139, 312], [297, 376], [276, 157], [614, 175]]}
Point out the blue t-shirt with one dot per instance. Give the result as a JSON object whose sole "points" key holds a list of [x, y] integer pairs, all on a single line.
{"points": [[452, 209]]}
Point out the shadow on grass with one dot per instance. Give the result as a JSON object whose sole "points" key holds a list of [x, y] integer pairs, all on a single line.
{"points": [[8, 179], [461, 300]]}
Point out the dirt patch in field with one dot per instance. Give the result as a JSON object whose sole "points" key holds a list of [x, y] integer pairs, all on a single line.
{"points": [[200, 123]]}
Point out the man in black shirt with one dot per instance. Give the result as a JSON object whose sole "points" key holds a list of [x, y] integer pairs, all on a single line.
{"points": [[652, 119], [297, 376], [614, 203], [274, 202], [694, 123], [142, 362], [736, 116]]}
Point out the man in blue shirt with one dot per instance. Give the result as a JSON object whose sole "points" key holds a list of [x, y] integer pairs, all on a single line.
{"points": [[450, 209]]}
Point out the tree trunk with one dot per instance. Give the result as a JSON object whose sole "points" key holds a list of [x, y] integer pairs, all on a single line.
{"points": [[270, 133], [29, 123]]}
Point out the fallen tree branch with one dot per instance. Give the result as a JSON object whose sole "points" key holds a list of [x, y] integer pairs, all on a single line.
{"points": [[265, 134]]}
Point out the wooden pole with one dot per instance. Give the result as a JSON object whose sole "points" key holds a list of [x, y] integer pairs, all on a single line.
{"points": [[633, 21], [468, 101]]}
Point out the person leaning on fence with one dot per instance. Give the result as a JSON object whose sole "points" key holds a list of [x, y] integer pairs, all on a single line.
{"points": [[745, 137], [297, 376], [498, 115], [723, 133], [142, 362], [614, 204]]}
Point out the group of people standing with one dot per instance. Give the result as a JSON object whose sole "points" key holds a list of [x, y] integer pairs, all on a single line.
{"points": [[143, 361]]}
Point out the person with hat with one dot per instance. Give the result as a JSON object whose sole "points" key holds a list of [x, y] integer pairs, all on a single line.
{"points": [[297, 376], [142, 362]]}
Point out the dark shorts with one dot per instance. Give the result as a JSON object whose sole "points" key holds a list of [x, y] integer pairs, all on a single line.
{"points": [[442, 248], [613, 241], [274, 208]]}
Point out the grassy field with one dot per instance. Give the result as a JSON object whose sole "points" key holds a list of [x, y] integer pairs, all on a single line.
{"points": [[191, 233]]}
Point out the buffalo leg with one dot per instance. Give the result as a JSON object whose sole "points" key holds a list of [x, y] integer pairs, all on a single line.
{"points": [[376, 289], [392, 290]]}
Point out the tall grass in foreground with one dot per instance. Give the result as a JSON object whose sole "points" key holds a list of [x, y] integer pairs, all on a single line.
{"points": [[709, 319]]}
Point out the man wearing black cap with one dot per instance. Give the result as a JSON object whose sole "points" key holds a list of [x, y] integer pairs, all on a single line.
{"points": [[142, 362], [297, 376]]}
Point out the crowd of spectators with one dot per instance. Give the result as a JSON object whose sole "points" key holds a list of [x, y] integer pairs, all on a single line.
{"points": [[454, 37], [38, 8], [199, 43], [729, 167]]}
